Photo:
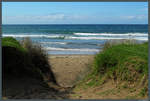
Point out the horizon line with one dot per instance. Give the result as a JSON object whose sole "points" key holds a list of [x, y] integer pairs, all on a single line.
{"points": [[75, 24]]}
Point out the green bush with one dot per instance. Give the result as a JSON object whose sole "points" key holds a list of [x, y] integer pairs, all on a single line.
{"points": [[12, 56], [25, 58], [11, 42]]}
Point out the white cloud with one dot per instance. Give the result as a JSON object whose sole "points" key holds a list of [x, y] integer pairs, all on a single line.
{"points": [[141, 17], [67, 18], [49, 18], [129, 17], [135, 17]]}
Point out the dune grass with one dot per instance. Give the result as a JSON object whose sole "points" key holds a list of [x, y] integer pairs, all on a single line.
{"points": [[122, 60], [129, 56], [13, 56], [25, 58], [39, 58], [125, 63], [11, 42]]}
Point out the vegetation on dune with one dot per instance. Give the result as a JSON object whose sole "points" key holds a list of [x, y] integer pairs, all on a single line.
{"points": [[13, 56], [39, 58], [25, 58], [122, 57], [13, 43], [125, 63]]}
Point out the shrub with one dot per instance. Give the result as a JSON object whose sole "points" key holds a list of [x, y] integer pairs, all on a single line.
{"points": [[11, 42], [25, 58], [13, 56]]}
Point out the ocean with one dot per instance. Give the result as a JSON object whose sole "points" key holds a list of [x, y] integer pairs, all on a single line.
{"points": [[76, 38]]}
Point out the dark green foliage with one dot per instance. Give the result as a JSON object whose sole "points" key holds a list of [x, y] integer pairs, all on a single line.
{"points": [[19, 60], [143, 92], [39, 58], [13, 56], [11, 42]]}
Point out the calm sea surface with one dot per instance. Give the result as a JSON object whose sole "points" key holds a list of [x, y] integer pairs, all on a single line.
{"points": [[75, 39]]}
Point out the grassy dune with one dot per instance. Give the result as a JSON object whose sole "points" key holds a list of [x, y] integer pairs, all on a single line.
{"points": [[25, 59], [125, 61], [119, 71], [124, 64]]}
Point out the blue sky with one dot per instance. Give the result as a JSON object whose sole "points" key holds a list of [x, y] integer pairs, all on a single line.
{"points": [[75, 13]]}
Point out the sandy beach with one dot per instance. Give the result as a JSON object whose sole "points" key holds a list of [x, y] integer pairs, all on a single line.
{"points": [[68, 69]]}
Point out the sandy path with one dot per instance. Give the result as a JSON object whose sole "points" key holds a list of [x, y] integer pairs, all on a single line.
{"points": [[68, 69]]}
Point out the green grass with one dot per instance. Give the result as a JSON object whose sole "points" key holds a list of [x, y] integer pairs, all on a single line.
{"points": [[143, 92], [122, 61], [125, 62], [132, 97], [110, 91], [11, 42]]}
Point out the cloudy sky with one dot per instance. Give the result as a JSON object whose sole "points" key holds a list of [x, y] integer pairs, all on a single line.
{"points": [[75, 13]]}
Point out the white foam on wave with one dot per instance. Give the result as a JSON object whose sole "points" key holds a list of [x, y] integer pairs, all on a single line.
{"points": [[68, 49], [106, 38], [136, 37], [62, 43], [34, 36], [110, 34]]}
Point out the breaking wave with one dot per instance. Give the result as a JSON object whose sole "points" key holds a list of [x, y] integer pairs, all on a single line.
{"points": [[83, 36], [109, 34], [69, 49]]}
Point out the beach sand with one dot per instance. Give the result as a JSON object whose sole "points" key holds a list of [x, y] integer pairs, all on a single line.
{"points": [[68, 69]]}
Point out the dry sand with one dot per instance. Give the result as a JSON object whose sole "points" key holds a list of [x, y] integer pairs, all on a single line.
{"points": [[68, 69]]}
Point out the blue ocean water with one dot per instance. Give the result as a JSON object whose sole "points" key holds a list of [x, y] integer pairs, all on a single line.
{"points": [[76, 38]]}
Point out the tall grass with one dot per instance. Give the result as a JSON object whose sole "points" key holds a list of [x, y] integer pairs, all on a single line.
{"points": [[39, 58], [122, 62]]}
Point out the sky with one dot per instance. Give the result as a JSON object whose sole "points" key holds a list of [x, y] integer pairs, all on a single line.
{"points": [[75, 13]]}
